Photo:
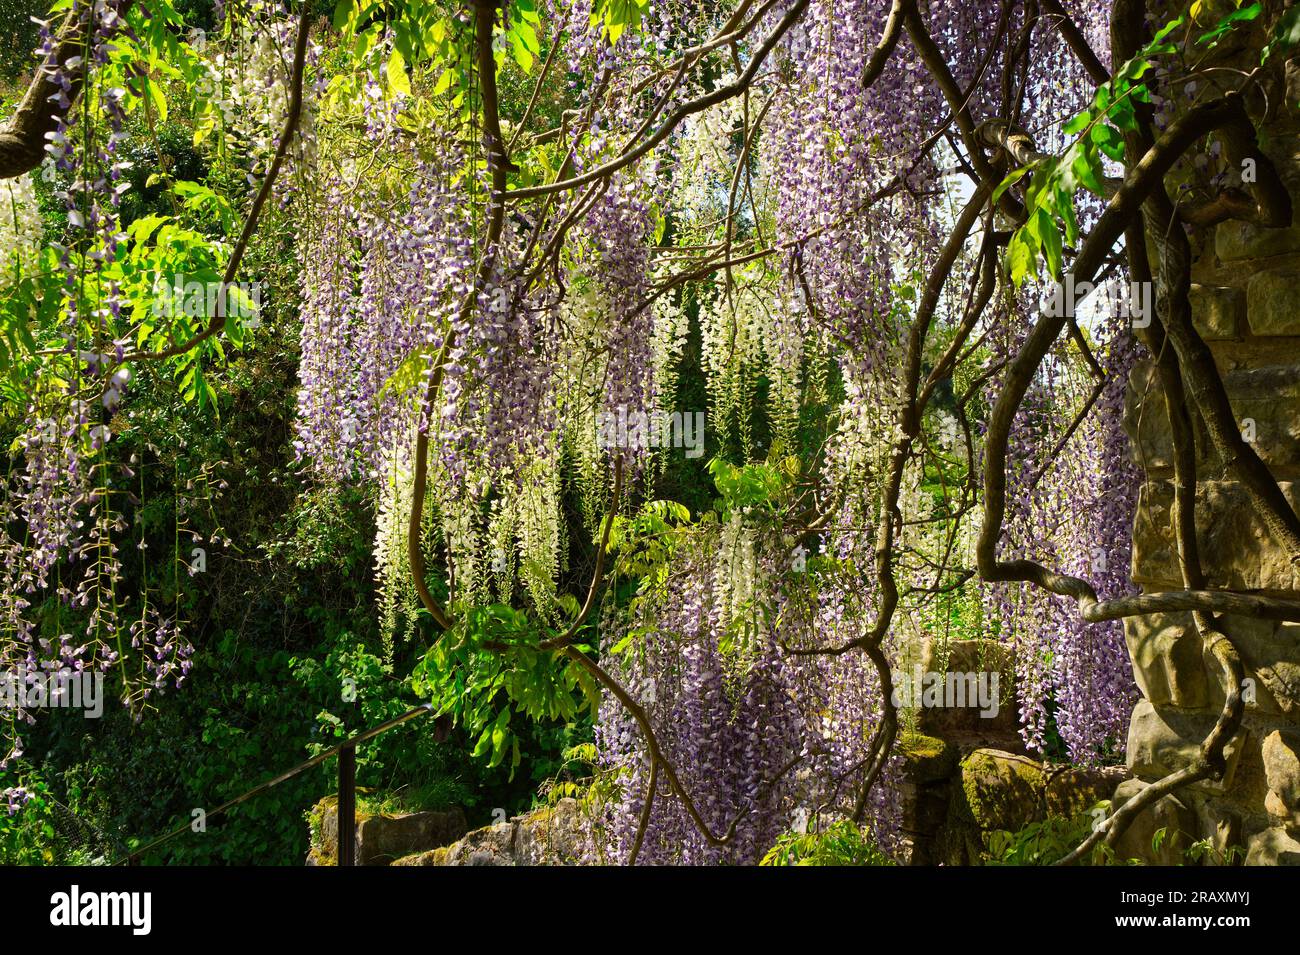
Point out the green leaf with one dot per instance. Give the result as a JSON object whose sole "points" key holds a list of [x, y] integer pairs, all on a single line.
{"points": [[1021, 255], [157, 99], [1087, 172], [1012, 178], [141, 229], [1246, 13], [398, 83], [1123, 115], [1077, 124], [1101, 100], [1286, 35], [1167, 29], [1109, 140], [519, 50], [1065, 210], [344, 15]]}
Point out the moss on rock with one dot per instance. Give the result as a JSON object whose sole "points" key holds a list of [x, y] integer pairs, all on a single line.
{"points": [[1000, 790]]}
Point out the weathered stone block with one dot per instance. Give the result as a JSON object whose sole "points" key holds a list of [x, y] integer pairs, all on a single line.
{"points": [[1271, 300], [1226, 837], [1155, 560], [1000, 790], [1168, 813], [929, 765], [927, 759], [1235, 240], [1275, 658], [551, 835], [1271, 654], [1266, 404], [1161, 741], [1168, 660], [1146, 420], [1237, 550], [382, 839], [1282, 772], [1272, 847], [1071, 790], [982, 703], [1217, 311], [1265, 401], [1173, 667]]}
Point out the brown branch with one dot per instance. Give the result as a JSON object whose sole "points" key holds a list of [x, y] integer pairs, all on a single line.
{"points": [[942, 73], [1264, 202], [498, 164], [638, 714], [1209, 762], [1206, 386], [888, 41], [719, 95], [1077, 43], [886, 733], [644, 822], [1143, 179], [22, 138]]}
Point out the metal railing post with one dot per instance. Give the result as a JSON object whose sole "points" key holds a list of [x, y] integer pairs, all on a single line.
{"points": [[348, 805]]}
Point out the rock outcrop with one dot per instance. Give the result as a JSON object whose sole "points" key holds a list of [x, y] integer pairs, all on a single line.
{"points": [[551, 835], [382, 839]]}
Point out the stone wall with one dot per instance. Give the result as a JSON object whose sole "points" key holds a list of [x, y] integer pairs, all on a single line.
{"points": [[965, 777], [548, 836], [381, 839], [1246, 304]]}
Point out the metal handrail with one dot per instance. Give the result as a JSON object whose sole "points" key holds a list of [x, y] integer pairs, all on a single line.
{"points": [[347, 753]]}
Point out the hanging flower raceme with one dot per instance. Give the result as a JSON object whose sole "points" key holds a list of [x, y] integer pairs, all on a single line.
{"points": [[498, 405], [618, 229], [1073, 511], [377, 292], [20, 229], [726, 720]]}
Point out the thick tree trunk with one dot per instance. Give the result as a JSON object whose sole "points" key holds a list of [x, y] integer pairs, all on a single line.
{"points": [[23, 139]]}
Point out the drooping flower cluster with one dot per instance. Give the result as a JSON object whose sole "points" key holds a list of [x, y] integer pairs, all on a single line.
{"points": [[727, 721], [761, 738], [846, 243], [61, 525], [244, 92], [375, 294], [1073, 511], [20, 228]]}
